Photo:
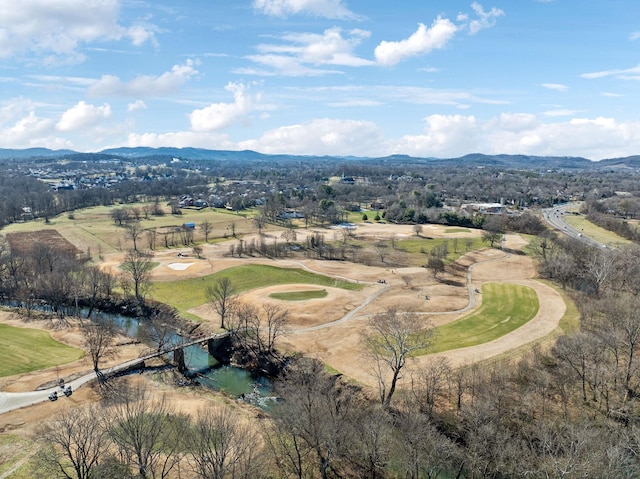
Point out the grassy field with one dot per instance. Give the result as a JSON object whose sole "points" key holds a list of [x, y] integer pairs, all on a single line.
{"points": [[189, 293], [93, 228], [505, 307], [417, 245], [580, 223], [23, 350], [300, 295], [12, 450]]}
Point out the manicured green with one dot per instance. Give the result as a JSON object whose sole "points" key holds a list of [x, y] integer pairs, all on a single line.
{"points": [[300, 295], [189, 293], [24, 349], [457, 230], [505, 308]]}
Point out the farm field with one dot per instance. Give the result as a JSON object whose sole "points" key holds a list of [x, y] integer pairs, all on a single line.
{"points": [[25, 349]]}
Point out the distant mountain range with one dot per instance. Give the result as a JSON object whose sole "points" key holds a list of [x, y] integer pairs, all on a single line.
{"points": [[474, 159]]}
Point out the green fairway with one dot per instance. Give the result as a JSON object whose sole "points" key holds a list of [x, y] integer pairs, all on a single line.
{"points": [[300, 295], [23, 350], [505, 307], [190, 293], [425, 245]]}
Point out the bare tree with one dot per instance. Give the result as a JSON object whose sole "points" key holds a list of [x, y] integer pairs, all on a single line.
{"points": [[260, 222], [99, 339], [221, 446], [417, 229], [79, 439], [206, 227], [311, 422], [381, 248], [290, 235], [147, 433], [138, 266], [221, 296], [428, 385], [435, 265], [392, 338], [134, 231]]}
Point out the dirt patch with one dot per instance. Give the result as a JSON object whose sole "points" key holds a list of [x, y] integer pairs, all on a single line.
{"points": [[24, 243]]}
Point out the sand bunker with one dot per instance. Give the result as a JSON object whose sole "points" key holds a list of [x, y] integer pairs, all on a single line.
{"points": [[180, 266]]}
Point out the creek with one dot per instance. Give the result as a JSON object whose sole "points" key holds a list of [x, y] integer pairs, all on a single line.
{"points": [[210, 373]]}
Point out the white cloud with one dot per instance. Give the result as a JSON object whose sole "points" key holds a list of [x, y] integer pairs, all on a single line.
{"points": [[445, 135], [334, 9], [423, 41], [181, 139], [485, 19], [320, 137], [144, 85], [304, 54], [627, 73], [83, 115], [136, 105], [220, 115], [555, 86], [58, 28], [634, 35], [611, 94], [456, 135]]}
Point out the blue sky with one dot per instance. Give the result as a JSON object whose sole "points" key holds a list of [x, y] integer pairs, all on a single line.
{"points": [[436, 78]]}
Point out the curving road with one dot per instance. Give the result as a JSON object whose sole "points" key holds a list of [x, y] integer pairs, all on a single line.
{"points": [[555, 218]]}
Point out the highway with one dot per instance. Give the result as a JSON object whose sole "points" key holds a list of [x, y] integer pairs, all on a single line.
{"points": [[555, 218]]}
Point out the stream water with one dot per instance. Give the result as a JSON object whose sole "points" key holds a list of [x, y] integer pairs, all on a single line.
{"points": [[232, 380]]}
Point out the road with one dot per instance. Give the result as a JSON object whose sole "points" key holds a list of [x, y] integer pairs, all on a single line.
{"points": [[555, 218], [10, 401]]}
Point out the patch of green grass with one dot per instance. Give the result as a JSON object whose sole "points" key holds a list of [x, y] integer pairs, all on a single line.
{"points": [[24, 349], [11, 449], [424, 246], [505, 307], [589, 229], [300, 295], [189, 293], [457, 230]]}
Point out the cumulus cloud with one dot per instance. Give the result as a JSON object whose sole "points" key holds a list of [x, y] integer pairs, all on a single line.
{"points": [[320, 137], [58, 28], [83, 115], [144, 85], [518, 133], [305, 54], [423, 41], [555, 86], [136, 105], [334, 9], [220, 115]]}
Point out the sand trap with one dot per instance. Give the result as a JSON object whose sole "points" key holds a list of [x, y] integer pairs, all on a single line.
{"points": [[180, 266]]}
